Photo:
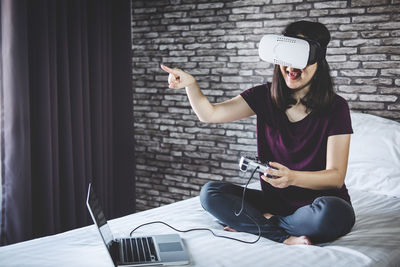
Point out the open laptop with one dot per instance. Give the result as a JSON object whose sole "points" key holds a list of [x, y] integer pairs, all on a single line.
{"points": [[137, 251]]}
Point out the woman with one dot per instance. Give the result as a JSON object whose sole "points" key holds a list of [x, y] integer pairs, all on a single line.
{"points": [[303, 131]]}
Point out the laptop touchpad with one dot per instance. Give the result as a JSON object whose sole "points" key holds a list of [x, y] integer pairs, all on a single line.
{"points": [[169, 247]]}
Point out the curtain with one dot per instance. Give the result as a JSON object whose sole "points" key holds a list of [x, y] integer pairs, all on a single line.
{"points": [[66, 114]]}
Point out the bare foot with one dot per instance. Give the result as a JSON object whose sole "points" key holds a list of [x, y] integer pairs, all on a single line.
{"points": [[297, 240], [268, 215], [229, 229]]}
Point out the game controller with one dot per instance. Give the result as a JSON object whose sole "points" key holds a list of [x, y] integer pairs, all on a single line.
{"points": [[246, 162]]}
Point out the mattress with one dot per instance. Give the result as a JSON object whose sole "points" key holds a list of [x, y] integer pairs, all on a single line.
{"points": [[373, 179], [373, 241]]}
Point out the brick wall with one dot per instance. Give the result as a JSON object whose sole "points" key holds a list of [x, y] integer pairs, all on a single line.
{"points": [[216, 41]]}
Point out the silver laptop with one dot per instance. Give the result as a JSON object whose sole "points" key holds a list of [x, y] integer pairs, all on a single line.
{"points": [[137, 251]]}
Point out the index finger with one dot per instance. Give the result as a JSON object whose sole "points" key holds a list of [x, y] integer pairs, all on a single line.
{"points": [[276, 165], [169, 70]]}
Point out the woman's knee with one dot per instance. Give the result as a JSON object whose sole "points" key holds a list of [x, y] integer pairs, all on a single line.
{"points": [[335, 217], [334, 207], [208, 192]]}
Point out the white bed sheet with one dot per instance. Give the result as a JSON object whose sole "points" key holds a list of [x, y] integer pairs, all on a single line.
{"points": [[374, 240]]}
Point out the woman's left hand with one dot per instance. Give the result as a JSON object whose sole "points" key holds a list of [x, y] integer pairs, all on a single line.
{"points": [[282, 177]]}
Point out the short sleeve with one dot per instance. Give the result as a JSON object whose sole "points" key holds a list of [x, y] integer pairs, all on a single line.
{"points": [[340, 120], [256, 98]]}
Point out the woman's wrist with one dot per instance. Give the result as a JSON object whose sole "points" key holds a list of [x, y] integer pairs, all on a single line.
{"points": [[293, 177], [192, 86], [193, 90]]}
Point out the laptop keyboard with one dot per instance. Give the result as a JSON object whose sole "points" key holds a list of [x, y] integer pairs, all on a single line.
{"points": [[137, 250]]}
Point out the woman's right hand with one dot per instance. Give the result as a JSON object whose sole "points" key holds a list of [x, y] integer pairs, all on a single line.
{"points": [[227, 111], [178, 79]]}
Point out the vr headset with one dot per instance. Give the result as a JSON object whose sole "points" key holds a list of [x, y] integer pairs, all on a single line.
{"points": [[294, 52]]}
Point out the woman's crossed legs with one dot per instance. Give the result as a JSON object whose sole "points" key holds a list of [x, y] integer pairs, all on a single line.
{"points": [[326, 219]]}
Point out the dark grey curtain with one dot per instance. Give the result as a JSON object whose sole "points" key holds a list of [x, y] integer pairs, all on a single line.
{"points": [[66, 114]]}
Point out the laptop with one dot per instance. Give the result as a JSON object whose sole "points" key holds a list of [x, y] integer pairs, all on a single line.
{"points": [[149, 250]]}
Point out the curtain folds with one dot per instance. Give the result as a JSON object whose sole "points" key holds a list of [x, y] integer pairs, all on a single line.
{"points": [[67, 115]]}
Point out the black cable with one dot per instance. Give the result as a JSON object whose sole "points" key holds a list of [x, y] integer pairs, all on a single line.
{"points": [[202, 229], [206, 229], [244, 191]]}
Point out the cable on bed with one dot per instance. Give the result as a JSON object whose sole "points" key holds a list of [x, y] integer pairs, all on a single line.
{"points": [[206, 229]]}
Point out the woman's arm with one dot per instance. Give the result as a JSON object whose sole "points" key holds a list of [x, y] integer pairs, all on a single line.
{"points": [[332, 177], [227, 111]]}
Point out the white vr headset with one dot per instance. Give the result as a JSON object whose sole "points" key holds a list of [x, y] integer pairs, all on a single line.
{"points": [[289, 51]]}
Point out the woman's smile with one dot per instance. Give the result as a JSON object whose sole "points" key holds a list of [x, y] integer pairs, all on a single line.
{"points": [[293, 74], [298, 78]]}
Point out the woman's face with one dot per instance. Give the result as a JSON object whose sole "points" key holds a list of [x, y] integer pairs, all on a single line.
{"points": [[298, 78]]}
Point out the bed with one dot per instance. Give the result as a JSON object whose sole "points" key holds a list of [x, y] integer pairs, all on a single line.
{"points": [[373, 179]]}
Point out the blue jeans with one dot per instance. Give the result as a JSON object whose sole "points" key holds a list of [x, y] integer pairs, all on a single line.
{"points": [[326, 219]]}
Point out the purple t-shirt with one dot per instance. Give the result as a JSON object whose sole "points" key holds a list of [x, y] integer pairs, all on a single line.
{"points": [[298, 145]]}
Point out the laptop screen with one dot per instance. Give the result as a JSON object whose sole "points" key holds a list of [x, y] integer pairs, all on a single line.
{"points": [[98, 216]]}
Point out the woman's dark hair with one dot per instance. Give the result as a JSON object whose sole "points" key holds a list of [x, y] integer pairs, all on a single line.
{"points": [[321, 94]]}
